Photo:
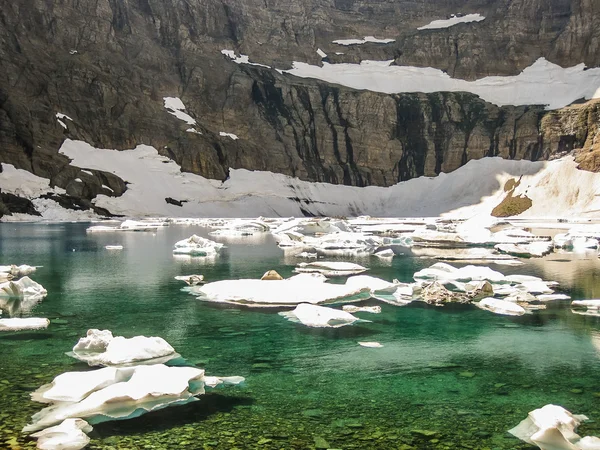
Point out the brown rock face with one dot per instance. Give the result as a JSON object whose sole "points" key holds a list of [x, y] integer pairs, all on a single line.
{"points": [[108, 65]]}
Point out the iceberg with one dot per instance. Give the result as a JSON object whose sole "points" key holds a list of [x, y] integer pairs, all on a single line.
{"points": [[303, 288], [141, 389], [197, 246], [23, 288], [503, 307], [100, 348], [331, 269], [320, 316], [71, 434], [553, 428], [589, 304]]}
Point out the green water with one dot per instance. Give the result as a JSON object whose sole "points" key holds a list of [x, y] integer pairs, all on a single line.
{"points": [[447, 378]]}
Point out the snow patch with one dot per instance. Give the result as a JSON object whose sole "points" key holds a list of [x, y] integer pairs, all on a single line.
{"points": [[453, 20], [175, 107], [363, 41], [242, 59], [321, 53], [229, 135]]}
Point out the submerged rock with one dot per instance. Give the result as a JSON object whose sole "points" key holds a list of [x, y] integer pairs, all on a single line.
{"points": [[436, 294]]}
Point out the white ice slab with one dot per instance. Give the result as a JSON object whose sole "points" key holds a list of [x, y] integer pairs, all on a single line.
{"points": [[320, 316], [69, 435]]}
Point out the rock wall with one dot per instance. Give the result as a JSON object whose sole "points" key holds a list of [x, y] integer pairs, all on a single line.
{"points": [[108, 65]]}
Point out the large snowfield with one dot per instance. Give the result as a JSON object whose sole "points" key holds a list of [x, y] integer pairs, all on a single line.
{"points": [[557, 189]]}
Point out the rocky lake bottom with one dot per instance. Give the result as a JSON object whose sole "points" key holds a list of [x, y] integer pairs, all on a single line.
{"points": [[446, 378]]}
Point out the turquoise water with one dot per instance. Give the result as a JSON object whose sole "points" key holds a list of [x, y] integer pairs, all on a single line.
{"points": [[446, 378]]}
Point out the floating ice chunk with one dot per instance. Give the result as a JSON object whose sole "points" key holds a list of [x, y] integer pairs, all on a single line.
{"points": [[23, 288], [535, 249], [589, 304], [331, 269], [355, 309], [75, 386], [320, 316], [148, 389], [445, 272], [503, 307], [453, 20], [389, 253], [113, 247], [18, 271], [197, 246], [372, 283], [100, 348], [306, 255], [302, 288], [191, 280], [69, 435], [553, 428], [19, 324], [370, 344], [550, 297]]}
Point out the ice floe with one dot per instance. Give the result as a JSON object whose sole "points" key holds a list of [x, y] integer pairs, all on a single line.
{"points": [[368, 309], [130, 393], [331, 269], [20, 324], [197, 246], [302, 288], [370, 344], [113, 247], [499, 306], [554, 428], [71, 434], [454, 19], [100, 348], [320, 316], [17, 271], [533, 249], [191, 280]]}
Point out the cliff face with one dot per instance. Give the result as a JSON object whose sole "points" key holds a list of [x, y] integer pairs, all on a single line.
{"points": [[108, 65]]}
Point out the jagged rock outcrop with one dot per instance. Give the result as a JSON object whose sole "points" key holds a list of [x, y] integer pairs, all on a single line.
{"points": [[108, 65]]}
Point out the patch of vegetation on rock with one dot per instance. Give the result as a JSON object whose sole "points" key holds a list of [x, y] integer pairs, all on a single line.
{"points": [[512, 206]]}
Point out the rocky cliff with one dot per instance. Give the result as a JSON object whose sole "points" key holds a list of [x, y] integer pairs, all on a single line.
{"points": [[107, 65]]}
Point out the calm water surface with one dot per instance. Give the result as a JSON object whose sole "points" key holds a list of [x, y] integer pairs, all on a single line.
{"points": [[446, 378]]}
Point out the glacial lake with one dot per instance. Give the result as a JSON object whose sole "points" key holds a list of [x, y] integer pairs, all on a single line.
{"points": [[446, 378]]}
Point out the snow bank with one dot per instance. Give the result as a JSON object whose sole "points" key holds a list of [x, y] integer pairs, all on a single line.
{"points": [[542, 83], [556, 188], [453, 20]]}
